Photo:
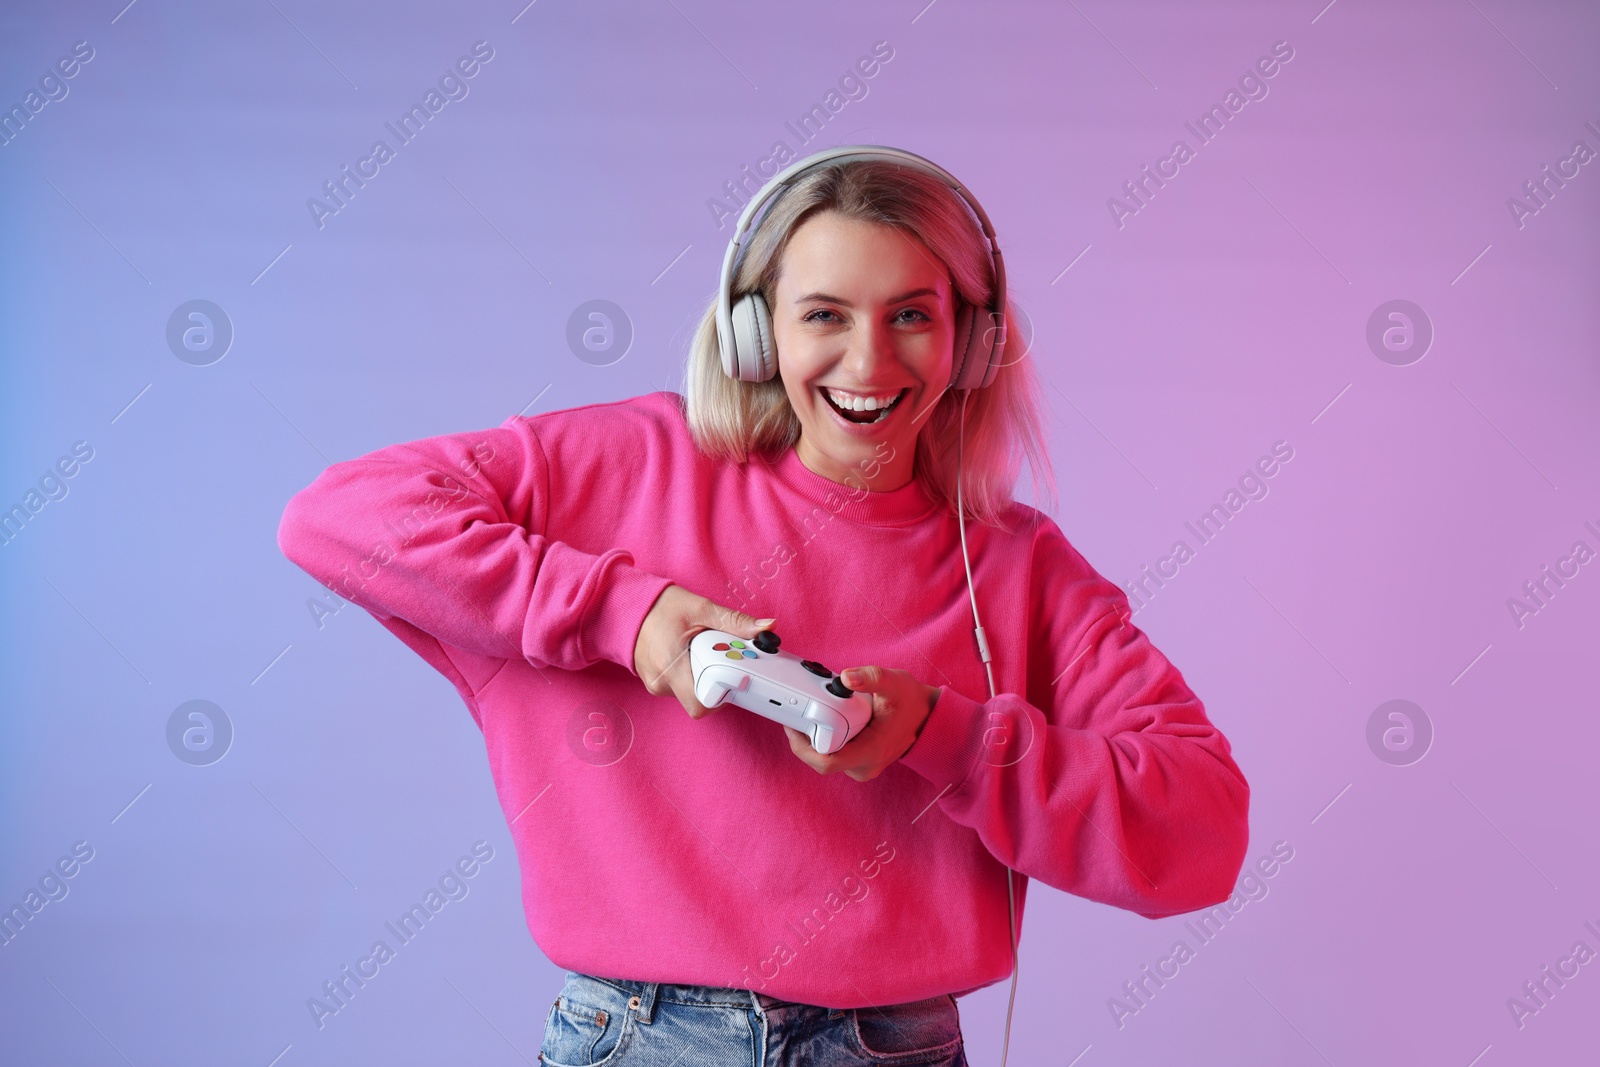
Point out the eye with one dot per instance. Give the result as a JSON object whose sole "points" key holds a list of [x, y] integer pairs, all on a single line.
{"points": [[920, 316], [812, 317]]}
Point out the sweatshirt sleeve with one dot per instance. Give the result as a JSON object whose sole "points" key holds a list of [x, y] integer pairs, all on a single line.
{"points": [[1108, 781], [449, 534]]}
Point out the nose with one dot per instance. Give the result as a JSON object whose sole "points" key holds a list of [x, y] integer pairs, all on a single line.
{"points": [[870, 347]]}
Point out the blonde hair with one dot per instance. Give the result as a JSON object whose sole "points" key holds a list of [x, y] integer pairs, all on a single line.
{"points": [[731, 419]]}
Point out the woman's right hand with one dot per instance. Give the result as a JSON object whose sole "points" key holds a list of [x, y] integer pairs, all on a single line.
{"points": [[661, 653]]}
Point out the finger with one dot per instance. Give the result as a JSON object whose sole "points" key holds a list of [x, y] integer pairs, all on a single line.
{"points": [[730, 621], [863, 679], [800, 745], [661, 683], [664, 679], [695, 709], [683, 689]]}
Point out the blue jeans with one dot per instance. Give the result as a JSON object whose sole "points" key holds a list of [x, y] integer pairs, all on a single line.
{"points": [[597, 1022]]}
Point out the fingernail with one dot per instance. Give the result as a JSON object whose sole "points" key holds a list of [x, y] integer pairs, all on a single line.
{"points": [[762, 624], [851, 678]]}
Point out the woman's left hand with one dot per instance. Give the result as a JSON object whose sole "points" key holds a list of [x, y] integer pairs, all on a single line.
{"points": [[900, 707]]}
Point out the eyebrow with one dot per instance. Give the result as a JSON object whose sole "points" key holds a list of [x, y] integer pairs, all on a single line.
{"points": [[845, 303]]}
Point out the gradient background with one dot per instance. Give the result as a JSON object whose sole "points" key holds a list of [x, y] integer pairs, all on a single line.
{"points": [[1229, 314]]}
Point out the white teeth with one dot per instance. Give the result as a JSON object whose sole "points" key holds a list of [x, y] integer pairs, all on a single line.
{"points": [[850, 402]]}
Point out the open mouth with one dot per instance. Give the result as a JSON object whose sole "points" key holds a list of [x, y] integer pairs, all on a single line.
{"points": [[861, 414]]}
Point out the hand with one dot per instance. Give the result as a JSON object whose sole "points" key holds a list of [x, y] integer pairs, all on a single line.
{"points": [[900, 707], [661, 653]]}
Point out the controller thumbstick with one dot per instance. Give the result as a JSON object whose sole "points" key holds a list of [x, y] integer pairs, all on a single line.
{"points": [[766, 641], [838, 688]]}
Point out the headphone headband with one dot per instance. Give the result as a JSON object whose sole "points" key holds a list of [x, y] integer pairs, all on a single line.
{"points": [[754, 366]]}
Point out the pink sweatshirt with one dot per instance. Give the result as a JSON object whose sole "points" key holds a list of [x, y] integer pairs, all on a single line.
{"points": [[520, 562]]}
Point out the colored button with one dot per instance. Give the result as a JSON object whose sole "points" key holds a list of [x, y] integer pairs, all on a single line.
{"points": [[720, 646], [748, 654], [737, 644], [734, 655]]}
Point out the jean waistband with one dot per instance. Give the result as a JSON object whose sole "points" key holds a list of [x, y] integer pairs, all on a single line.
{"points": [[649, 993]]}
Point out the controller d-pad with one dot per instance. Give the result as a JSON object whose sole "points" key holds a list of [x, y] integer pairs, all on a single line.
{"points": [[816, 668]]}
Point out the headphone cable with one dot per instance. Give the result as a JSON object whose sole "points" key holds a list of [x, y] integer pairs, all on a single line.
{"points": [[983, 652]]}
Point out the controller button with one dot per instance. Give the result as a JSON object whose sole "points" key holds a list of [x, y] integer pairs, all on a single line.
{"points": [[816, 668], [766, 641], [736, 644], [720, 646], [733, 655], [749, 655], [838, 688]]}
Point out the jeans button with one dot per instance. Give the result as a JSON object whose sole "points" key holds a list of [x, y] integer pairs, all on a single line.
{"points": [[633, 1002]]}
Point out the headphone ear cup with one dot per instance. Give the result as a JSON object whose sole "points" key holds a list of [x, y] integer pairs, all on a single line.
{"points": [[767, 351], [962, 350], [978, 349], [755, 354]]}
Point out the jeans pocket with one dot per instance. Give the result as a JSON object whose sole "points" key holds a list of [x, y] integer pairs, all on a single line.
{"points": [[923, 1031], [584, 1030]]}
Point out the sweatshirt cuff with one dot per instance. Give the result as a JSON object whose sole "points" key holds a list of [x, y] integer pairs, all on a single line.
{"points": [[610, 628], [948, 748]]}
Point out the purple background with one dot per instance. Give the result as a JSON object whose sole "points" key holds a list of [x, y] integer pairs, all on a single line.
{"points": [[1228, 314]]}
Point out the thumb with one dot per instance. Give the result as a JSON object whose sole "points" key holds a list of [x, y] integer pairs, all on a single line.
{"points": [[861, 679], [737, 622]]}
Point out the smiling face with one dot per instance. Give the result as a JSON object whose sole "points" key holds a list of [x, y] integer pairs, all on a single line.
{"points": [[863, 316]]}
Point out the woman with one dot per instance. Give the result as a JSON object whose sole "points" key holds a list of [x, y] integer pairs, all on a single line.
{"points": [[710, 881]]}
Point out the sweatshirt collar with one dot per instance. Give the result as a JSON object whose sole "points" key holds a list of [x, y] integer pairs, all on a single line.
{"points": [[895, 507]]}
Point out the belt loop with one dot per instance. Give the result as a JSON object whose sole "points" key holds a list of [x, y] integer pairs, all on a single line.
{"points": [[644, 1003]]}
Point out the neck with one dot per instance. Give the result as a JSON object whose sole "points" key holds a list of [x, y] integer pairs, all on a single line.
{"points": [[883, 470]]}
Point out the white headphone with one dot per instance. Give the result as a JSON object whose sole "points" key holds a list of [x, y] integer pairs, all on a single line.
{"points": [[744, 327]]}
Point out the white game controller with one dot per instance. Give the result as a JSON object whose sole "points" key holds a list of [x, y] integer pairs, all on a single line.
{"points": [[752, 674]]}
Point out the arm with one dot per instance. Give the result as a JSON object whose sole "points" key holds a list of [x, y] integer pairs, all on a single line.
{"points": [[1108, 782], [448, 534]]}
